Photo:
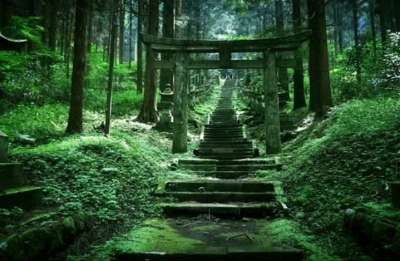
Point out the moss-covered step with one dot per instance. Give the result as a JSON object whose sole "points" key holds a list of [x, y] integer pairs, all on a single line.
{"points": [[220, 185], [226, 174], [227, 210], [26, 197], [224, 130], [196, 161], [223, 126], [10, 175], [227, 167], [234, 155], [187, 239], [221, 197]]}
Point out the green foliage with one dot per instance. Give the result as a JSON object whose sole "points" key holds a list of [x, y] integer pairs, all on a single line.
{"points": [[380, 71], [343, 162], [25, 28], [108, 179], [40, 122]]}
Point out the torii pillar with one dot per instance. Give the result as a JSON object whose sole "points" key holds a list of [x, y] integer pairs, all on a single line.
{"points": [[271, 100]]}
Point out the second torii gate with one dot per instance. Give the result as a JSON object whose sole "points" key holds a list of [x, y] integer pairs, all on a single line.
{"points": [[182, 63]]}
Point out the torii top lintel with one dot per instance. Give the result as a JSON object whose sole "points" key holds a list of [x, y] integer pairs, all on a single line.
{"points": [[287, 42]]}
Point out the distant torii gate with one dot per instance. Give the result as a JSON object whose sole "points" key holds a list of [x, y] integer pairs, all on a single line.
{"points": [[182, 63]]}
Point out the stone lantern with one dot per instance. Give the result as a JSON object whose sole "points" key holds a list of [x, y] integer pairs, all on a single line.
{"points": [[165, 109]]}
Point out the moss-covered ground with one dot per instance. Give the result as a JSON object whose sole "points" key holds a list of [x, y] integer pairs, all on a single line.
{"points": [[340, 163]]}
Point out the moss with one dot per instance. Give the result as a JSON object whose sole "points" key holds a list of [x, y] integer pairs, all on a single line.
{"points": [[156, 235], [288, 233]]}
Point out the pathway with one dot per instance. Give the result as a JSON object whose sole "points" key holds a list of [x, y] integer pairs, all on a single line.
{"points": [[222, 213]]}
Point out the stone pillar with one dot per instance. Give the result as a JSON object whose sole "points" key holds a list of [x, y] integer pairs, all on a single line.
{"points": [[3, 147], [272, 123], [182, 80]]}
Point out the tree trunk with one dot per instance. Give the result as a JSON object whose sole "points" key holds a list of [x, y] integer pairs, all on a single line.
{"points": [[148, 112], [371, 4], [90, 28], [283, 77], [166, 75], [139, 48], [299, 99], [130, 32], [383, 18], [356, 36], [75, 121], [111, 67], [121, 31], [52, 29], [320, 90]]}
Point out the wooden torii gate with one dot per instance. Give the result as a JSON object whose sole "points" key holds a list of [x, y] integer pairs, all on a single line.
{"points": [[183, 62]]}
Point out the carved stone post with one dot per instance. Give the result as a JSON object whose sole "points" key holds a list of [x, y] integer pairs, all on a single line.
{"points": [[272, 123]]}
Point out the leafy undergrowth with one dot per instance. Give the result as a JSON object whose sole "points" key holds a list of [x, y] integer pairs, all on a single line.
{"points": [[341, 163], [109, 180]]}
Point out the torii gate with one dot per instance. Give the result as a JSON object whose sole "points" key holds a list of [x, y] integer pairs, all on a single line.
{"points": [[182, 63]]}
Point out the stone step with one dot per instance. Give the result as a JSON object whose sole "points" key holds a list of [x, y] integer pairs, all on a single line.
{"points": [[27, 197], [223, 136], [242, 167], [239, 146], [11, 175], [220, 133], [223, 254], [226, 175], [212, 185], [193, 161], [231, 156], [224, 139], [223, 150], [220, 151], [226, 130], [229, 210], [221, 197], [220, 126]]}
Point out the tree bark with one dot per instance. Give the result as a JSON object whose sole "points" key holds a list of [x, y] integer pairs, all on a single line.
{"points": [[139, 48], [299, 99], [148, 112], [356, 36], [111, 67], [166, 75], [372, 7], [121, 31], [75, 119], [320, 90], [283, 77], [53, 6]]}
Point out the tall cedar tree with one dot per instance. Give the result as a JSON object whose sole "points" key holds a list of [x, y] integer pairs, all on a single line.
{"points": [[75, 122], [320, 90], [148, 112], [139, 49], [111, 64], [166, 75], [299, 99]]}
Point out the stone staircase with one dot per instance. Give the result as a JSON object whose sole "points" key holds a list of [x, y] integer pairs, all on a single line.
{"points": [[222, 213], [227, 155], [14, 191]]}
